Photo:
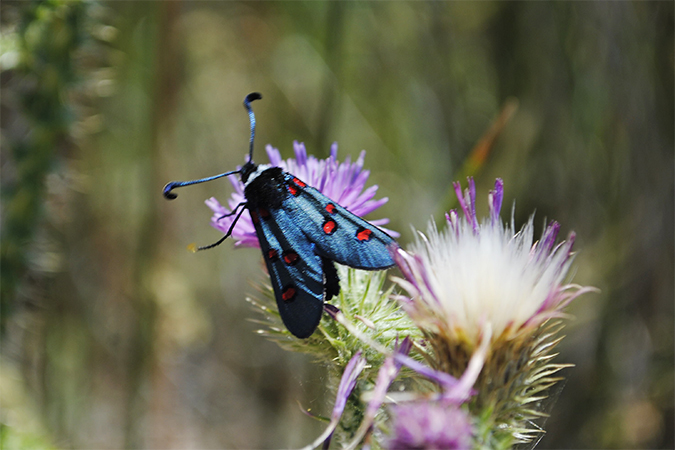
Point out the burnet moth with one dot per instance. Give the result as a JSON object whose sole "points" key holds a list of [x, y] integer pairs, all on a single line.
{"points": [[302, 235]]}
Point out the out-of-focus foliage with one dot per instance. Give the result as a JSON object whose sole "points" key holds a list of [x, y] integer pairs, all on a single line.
{"points": [[41, 52], [124, 339]]}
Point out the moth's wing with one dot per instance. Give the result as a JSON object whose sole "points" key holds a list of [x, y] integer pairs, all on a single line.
{"points": [[338, 234], [295, 271]]}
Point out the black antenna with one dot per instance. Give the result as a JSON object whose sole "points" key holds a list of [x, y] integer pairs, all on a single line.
{"points": [[176, 184], [251, 117]]}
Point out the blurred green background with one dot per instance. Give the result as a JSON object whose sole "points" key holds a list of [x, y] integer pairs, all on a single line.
{"points": [[114, 336]]}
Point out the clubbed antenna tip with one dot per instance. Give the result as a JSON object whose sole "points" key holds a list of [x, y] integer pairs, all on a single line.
{"points": [[252, 96]]}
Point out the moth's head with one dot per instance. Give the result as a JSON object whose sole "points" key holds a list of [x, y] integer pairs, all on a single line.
{"points": [[246, 171]]}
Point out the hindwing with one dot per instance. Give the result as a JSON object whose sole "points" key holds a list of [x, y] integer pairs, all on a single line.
{"points": [[295, 270]]}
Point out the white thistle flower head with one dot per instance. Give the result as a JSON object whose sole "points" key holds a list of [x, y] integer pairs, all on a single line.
{"points": [[473, 276], [471, 273]]}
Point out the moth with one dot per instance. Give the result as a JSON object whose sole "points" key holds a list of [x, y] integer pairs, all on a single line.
{"points": [[302, 234]]}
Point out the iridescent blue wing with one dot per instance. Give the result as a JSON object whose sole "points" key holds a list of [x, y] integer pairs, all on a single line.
{"points": [[296, 271], [337, 234]]}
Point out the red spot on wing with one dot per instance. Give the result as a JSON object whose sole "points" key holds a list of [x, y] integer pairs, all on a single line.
{"points": [[330, 208], [329, 226], [272, 255], [288, 293], [364, 234], [265, 214], [254, 217], [295, 185], [291, 258]]}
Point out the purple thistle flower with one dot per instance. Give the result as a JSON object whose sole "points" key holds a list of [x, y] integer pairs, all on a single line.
{"points": [[343, 183], [433, 425]]}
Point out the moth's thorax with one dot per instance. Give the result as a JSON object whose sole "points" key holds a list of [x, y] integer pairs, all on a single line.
{"points": [[255, 173], [265, 187]]}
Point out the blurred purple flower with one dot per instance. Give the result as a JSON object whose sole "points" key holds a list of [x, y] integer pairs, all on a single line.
{"points": [[430, 425], [343, 183]]}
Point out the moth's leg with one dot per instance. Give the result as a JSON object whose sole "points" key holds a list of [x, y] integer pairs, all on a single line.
{"points": [[233, 212], [229, 232]]}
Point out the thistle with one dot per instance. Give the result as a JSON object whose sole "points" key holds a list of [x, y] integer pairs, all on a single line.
{"points": [[473, 274]]}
